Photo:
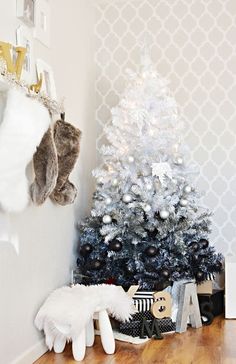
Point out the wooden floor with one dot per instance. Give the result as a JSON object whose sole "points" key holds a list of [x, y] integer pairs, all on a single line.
{"points": [[214, 344]]}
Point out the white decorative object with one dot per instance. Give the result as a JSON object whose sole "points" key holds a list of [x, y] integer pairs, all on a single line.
{"points": [[130, 159], [127, 198], [25, 11], [23, 125], [187, 189], [106, 219], [115, 182], [67, 315], [179, 161], [42, 22], [164, 214], [147, 207], [188, 308], [24, 39], [48, 85], [161, 170], [230, 290], [108, 201], [183, 202]]}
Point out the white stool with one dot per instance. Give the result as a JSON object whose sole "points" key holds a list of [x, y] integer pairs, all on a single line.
{"points": [[86, 338], [68, 314]]}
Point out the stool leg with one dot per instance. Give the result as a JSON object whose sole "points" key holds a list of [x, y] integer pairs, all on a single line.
{"points": [[90, 333], [78, 346], [59, 344], [107, 338]]}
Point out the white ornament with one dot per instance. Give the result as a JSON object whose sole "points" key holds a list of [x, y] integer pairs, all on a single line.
{"points": [[149, 186], [108, 201], [147, 208], [106, 219], [131, 159], [179, 161], [127, 198], [187, 189], [161, 170], [164, 214], [100, 180], [174, 180], [183, 202], [115, 182]]}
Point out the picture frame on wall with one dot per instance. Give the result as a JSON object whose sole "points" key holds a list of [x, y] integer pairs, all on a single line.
{"points": [[48, 83], [42, 22], [25, 10], [24, 38]]}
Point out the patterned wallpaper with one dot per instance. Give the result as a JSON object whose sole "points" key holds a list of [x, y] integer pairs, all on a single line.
{"points": [[193, 44]]}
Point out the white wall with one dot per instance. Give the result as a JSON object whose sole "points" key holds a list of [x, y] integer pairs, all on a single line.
{"points": [[46, 234], [193, 45]]}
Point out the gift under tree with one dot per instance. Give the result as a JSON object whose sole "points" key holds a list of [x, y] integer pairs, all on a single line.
{"points": [[146, 225]]}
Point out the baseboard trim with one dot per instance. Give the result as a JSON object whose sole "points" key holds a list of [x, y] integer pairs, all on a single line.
{"points": [[32, 354]]}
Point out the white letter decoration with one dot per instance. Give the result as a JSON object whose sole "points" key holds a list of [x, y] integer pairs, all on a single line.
{"points": [[188, 308]]}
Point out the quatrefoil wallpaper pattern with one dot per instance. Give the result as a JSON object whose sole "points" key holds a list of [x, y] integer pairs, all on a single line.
{"points": [[193, 44]]}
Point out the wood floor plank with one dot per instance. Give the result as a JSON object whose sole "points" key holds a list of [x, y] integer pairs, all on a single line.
{"points": [[214, 344]]}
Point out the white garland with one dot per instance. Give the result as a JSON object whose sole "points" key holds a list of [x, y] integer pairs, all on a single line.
{"points": [[52, 105]]}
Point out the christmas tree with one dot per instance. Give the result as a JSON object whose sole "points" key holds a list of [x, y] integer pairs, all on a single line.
{"points": [[146, 226]]}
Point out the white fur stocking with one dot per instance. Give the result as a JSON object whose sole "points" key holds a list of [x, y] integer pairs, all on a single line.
{"points": [[22, 126]]}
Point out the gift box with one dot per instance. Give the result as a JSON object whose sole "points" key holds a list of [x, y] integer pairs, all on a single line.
{"points": [[215, 300], [133, 327], [143, 300]]}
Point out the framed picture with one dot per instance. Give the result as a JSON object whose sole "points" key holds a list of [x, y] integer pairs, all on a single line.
{"points": [[48, 85], [24, 39], [25, 10], [42, 21]]}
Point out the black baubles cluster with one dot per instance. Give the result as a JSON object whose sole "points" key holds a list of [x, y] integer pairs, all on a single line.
{"points": [[201, 244]]}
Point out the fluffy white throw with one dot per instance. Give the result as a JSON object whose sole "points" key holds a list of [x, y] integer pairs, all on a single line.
{"points": [[67, 311], [22, 126]]}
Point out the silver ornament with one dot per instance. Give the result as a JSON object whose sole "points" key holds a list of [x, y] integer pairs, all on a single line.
{"points": [[187, 189], [179, 161], [108, 201], [106, 219], [164, 214], [130, 159], [147, 208], [183, 202], [127, 198], [115, 182]]}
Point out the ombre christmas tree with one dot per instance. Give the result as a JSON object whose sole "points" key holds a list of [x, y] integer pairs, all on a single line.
{"points": [[146, 225]]}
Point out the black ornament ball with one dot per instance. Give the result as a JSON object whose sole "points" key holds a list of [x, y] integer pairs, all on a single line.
{"points": [[151, 251], [95, 264], [86, 249], [204, 243], [194, 246], [199, 275], [165, 273], [115, 245]]}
